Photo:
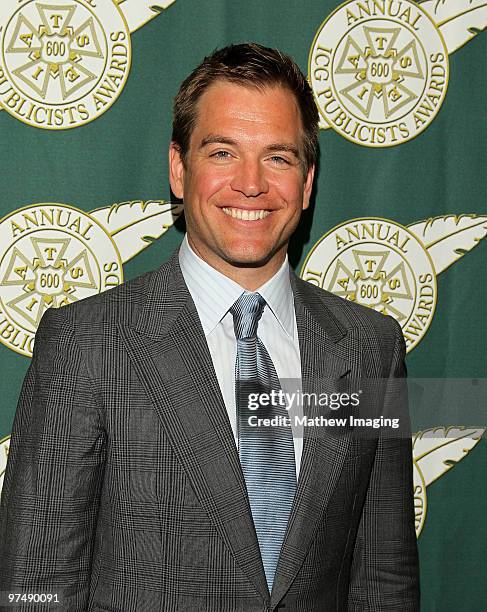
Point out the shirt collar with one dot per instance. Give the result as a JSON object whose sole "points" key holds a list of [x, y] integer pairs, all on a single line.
{"points": [[214, 293]]}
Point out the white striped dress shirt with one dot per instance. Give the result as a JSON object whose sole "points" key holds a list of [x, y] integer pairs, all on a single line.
{"points": [[213, 294]]}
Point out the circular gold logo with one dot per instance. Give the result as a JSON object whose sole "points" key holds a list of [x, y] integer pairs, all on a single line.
{"points": [[420, 499], [62, 64], [4, 448], [381, 264], [379, 71], [52, 254]]}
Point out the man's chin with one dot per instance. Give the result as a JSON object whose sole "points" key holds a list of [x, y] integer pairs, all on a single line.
{"points": [[246, 258]]}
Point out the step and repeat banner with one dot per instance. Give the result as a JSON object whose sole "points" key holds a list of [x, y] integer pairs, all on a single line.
{"points": [[397, 222]]}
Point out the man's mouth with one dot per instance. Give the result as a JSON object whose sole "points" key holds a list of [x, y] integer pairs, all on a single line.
{"points": [[246, 215]]}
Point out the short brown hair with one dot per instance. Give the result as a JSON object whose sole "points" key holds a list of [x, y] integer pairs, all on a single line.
{"points": [[249, 65]]}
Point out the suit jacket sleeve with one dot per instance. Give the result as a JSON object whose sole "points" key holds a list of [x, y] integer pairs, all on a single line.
{"points": [[385, 572], [54, 473]]}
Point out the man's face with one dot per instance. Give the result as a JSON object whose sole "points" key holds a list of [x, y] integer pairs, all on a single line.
{"points": [[243, 184]]}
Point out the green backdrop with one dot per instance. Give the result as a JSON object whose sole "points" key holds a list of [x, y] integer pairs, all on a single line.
{"points": [[120, 156]]}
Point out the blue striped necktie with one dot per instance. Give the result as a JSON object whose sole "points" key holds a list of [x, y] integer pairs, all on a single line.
{"points": [[266, 453]]}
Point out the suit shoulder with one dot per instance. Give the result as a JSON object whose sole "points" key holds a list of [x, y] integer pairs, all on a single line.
{"points": [[102, 310], [354, 315], [347, 311]]}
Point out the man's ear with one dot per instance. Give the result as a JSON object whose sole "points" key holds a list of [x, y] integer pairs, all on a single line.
{"points": [[308, 187], [176, 170]]}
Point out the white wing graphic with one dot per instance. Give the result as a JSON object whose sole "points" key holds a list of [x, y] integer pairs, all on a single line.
{"points": [[448, 238], [437, 450], [139, 12], [135, 225], [458, 20]]}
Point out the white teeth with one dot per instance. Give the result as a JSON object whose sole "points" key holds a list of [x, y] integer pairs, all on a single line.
{"points": [[246, 215]]}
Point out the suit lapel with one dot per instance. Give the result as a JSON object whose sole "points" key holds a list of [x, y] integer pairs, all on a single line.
{"points": [[327, 356], [170, 354]]}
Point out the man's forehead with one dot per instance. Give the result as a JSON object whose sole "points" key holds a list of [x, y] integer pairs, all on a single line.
{"points": [[227, 101], [222, 88]]}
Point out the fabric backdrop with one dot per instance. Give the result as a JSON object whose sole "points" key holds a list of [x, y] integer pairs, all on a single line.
{"points": [[397, 220]]}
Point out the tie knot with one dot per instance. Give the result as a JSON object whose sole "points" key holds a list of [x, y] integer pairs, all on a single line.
{"points": [[246, 312]]}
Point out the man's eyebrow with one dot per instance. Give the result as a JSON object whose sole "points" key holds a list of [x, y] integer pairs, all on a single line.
{"points": [[217, 139], [272, 148], [284, 147]]}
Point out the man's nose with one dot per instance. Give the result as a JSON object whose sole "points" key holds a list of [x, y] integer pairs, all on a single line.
{"points": [[250, 178]]}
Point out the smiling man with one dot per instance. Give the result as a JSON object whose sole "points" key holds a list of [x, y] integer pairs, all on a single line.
{"points": [[135, 481], [244, 178]]}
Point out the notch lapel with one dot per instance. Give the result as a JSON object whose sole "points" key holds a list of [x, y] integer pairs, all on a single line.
{"points": [[169, 352], [327, 356]]}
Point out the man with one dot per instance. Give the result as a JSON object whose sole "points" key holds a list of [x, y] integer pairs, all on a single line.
{"points": [[133, 483]]}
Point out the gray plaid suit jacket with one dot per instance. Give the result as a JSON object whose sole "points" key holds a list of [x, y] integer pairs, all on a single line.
{"points": [[124, 492]]}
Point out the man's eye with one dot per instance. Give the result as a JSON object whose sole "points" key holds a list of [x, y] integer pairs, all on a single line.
{"points": [[277, 159], [220, 154]]}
